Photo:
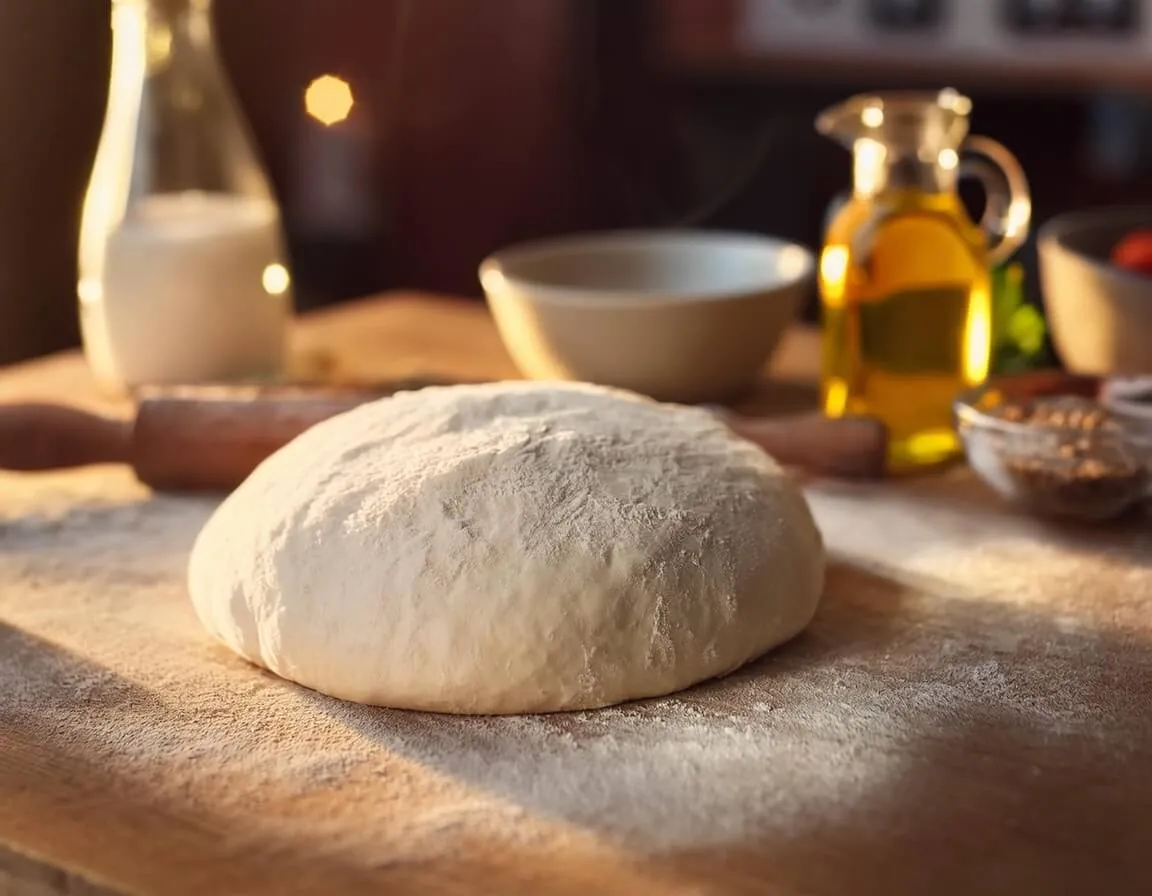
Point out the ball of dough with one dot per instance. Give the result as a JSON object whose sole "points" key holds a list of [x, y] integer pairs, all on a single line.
{"points": [[509, 548]]}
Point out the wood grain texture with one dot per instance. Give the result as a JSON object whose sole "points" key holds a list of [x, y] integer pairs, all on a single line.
{"points": [[967, 714]]}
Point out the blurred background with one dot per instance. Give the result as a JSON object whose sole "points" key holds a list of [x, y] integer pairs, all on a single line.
{"points": [[448, 128]]}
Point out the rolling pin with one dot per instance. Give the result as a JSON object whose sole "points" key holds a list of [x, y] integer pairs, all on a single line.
{"points": [[211, 438]]}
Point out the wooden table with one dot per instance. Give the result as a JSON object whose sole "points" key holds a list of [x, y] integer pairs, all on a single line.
{"points": [[971, 711]]}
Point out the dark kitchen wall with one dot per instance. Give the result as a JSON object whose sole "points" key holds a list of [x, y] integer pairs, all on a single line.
{"points": [[491, 122], [470, 105], [53, 71]]}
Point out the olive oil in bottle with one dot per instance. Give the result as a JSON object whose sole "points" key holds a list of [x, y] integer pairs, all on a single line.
{"points": [[907, 322], [905, 274]]}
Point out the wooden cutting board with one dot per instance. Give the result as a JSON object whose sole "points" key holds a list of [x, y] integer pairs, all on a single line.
{"points": [[968, 713]]}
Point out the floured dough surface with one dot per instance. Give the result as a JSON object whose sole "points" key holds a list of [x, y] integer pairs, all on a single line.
{"points": [[509, 548]]}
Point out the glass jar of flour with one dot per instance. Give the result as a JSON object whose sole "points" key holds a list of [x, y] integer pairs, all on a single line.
{"points": [[183, 273]]}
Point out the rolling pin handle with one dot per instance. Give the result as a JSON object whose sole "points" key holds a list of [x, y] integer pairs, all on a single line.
{"points": [[198, 441], [37, 437]]}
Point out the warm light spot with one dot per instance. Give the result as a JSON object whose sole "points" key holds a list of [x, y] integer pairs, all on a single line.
{"points": [[949, 159], [954, 101], [872, 116], [1019, 215], [158, 46], [978, 337], [869, 165], [492, 280], [836, 398], [329, 99], [792, 262], [833, 272], [276, 280], [90, 290]]}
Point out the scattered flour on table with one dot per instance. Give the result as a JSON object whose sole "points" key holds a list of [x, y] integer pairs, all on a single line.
{"points": [[898, 680]]}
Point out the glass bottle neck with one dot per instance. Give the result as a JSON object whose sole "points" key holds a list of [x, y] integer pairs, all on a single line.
{"points": [[167, 44], [168, 8], [165, 24], [879, 168], [172, 122]]}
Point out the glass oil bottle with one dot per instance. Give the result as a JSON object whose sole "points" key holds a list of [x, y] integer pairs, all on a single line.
{"points": [[905, 274]]}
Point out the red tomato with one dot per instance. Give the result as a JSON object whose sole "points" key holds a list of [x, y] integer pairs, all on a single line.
{"points": [[1134, 252]]}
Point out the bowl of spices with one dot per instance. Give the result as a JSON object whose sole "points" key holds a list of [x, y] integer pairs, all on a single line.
{"points": [[1048, 444]]}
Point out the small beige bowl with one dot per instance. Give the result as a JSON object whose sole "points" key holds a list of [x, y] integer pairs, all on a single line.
{"points": [[685, 316], [1100, 315]]}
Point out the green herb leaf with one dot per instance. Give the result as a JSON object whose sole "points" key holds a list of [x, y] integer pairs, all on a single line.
{"points": [[1026, 329]]}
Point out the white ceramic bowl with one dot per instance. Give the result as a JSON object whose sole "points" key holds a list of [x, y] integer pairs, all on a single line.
{"points": [[684, 316], [1100, 315]]}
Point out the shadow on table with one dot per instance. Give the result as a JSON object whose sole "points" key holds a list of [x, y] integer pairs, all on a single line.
{"points": [[73, 822], [37, 677], [898, 747]]}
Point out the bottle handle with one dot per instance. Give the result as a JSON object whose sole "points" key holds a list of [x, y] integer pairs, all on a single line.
{"points": [[1008, 204]]}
